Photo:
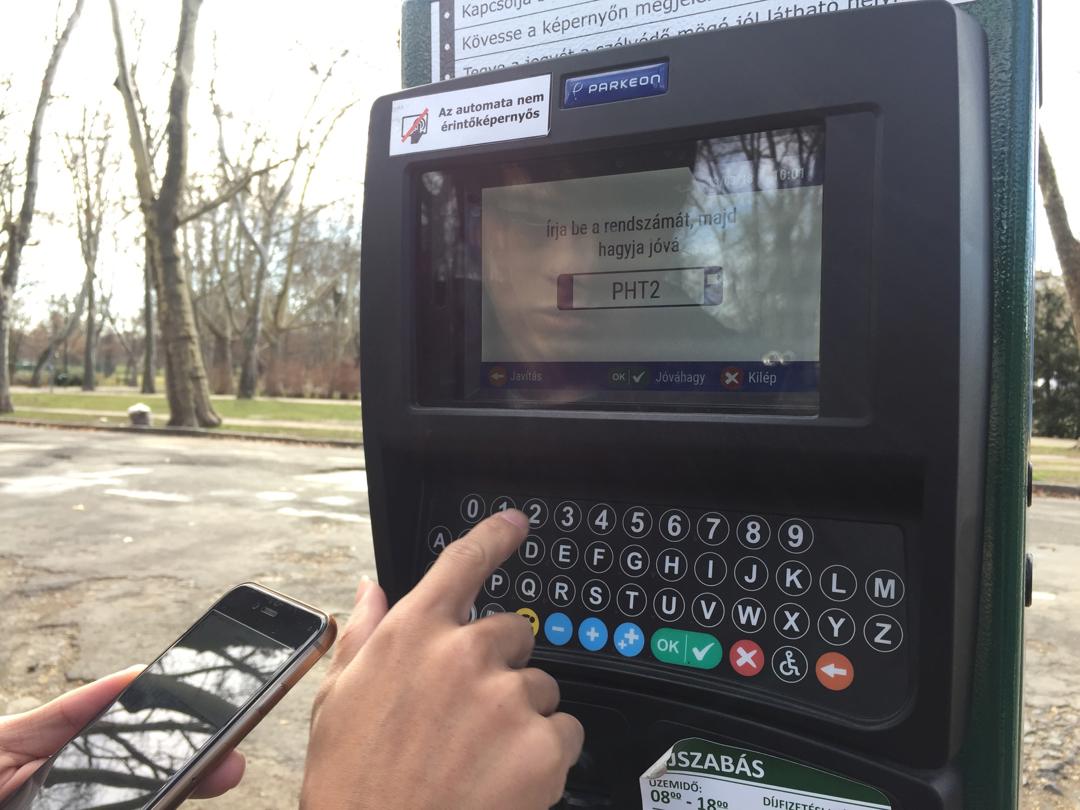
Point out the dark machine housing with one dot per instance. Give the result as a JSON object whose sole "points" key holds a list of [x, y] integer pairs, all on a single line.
{"points": [[869, 473]]}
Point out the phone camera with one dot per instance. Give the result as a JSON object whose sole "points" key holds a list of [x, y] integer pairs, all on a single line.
{"points": [[256, 605]]}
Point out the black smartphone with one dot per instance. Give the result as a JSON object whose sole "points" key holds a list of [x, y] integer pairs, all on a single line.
{"points": [[182, 714]]}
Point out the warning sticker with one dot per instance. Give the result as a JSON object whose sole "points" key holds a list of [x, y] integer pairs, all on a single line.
{"points": [[493, 112], [702, 775]]}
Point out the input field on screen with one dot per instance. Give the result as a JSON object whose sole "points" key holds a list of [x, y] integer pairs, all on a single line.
{"points": [[634, 289]]}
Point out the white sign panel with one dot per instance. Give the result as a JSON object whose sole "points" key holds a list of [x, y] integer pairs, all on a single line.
{"points": [[473, 36], [703, 775], [493, 112]]}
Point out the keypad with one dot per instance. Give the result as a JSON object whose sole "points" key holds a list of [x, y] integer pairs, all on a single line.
{"points": [[808, 607]]}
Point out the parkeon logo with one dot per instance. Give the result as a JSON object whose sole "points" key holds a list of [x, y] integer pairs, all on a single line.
{"points": [[414, 127]]}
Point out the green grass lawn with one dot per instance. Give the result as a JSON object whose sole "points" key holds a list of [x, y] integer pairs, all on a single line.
{"points": [[328, 419], [1055, 461], [347, 412]]}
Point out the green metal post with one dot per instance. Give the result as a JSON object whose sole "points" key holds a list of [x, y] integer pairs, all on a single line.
{"points": [[992, 752]]}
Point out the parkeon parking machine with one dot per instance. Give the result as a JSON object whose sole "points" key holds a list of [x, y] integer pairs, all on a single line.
{"points": [[738, 319]]}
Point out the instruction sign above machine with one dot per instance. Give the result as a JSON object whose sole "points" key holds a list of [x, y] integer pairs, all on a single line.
{"points": [[475, 36]]}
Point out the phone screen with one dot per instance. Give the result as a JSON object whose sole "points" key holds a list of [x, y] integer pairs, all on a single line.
{"points": [[161, 720]]}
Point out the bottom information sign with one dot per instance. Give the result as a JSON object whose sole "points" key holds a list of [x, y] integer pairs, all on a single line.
{"points": [[701, 775]]}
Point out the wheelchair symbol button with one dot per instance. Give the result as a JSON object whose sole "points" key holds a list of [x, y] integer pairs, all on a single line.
{"points": [[789, 664]]}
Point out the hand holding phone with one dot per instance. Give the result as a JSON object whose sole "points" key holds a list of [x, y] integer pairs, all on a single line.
{"points": [[171, 727], [27, 740]]}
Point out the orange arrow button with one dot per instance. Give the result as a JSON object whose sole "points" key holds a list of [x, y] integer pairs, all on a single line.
{"points": [[834, 671]]}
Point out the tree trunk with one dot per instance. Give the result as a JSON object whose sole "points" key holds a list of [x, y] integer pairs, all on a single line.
{"points": [[186, 382], [89, 381], [274, 382], [249, 371], [19, 230], [221, 370], [62, 337], [7, 364], [186, 385], [149, 386], [42, 361], [1067, 245]]}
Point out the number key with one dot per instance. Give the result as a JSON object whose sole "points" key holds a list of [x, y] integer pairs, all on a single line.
{"points": [[536, 511], [796, 535], [567, 516], [753, 531], [674, 525], [713, 528], [637, 522], [602, 519], [502, 503], [472, 508]]}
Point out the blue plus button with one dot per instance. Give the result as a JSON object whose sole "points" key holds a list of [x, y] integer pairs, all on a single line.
{"points": [[558, 629], [592, 634], [628, 639]]}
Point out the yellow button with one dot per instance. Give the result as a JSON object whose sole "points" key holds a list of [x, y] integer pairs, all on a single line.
{"points": [[530, 614]]}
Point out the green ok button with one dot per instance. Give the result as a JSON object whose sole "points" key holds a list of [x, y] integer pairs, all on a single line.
{"points": [[685, 648]]}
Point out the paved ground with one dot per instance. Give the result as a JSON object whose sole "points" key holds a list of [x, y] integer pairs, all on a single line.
{"points": [[110, 543], [1052, 665]]}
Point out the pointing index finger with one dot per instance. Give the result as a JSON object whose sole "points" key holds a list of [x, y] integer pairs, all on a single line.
{"points": [[457, 576]]}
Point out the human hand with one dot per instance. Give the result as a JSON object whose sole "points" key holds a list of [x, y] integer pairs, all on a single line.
{"points": [[422, 710], [27, 740]]}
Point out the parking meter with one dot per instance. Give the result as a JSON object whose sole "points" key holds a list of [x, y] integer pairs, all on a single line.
{"points": [[717, 313]]}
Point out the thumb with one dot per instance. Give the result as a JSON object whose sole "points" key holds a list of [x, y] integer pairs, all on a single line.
{"points": [[369, 611], [40, 732]]}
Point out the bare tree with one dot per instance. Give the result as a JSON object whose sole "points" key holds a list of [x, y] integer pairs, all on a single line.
{"points": [[1065, 242], [126, 333], [186, 384], [17, 230], [63, 325], [87, 159], [271, 200], [214, 266], [281, 320]]}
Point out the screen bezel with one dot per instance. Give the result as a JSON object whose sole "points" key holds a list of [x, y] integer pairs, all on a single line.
{"points": [[440, 362]]}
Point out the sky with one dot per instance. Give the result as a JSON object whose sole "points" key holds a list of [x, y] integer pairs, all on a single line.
{"points": [[265, 52]]}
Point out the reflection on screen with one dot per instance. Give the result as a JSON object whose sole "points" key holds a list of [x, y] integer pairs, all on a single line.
{"points": [[684, 269], [160, 721], [704, 275]]}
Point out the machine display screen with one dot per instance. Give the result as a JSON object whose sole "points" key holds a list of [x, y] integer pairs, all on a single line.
{"points": [[682, 273]]}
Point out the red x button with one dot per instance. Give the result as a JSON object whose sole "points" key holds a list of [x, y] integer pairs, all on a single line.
{"points": [[747, 658]]}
